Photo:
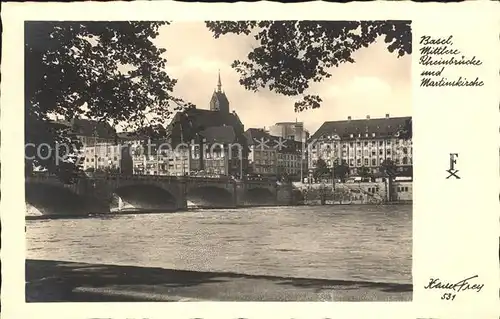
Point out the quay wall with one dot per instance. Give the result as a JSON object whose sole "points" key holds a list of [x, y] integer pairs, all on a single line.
{"points": [[357, 193]]}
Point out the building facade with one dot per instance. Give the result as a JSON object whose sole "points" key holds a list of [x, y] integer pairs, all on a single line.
{"points": [[290, 130], [292, 162], [263, 155], [275, 156], [101, 148], [362, 143]]}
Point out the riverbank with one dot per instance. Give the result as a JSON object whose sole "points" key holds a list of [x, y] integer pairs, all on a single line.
{"points": [[191, 209], [59, 281]]}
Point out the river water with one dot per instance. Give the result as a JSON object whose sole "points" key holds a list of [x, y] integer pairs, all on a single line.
{"points": [[348, 242]]}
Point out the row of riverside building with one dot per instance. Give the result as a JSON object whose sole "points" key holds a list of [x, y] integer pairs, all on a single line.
{"points": [[214, 142]]}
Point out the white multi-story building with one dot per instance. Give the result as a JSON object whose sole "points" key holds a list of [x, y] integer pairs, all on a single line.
{"points": [[101, 147], [362, 143]]}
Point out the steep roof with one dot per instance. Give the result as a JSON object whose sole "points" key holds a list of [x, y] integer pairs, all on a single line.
{"points": [[131, 136], [221, 97], [219, 134], [186, 124], [91, 128], [219, 102], [382, 127]]}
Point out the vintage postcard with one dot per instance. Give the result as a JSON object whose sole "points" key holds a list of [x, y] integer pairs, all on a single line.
{"points": [[309, 160]]}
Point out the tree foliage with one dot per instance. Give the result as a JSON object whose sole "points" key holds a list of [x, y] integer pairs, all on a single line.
{"points": [[106, 71], [341, 170], [388, 168], [292, 54], [321, 169], [364, 172]]}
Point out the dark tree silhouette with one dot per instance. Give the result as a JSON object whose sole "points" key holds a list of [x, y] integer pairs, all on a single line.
{"points": [[389, 169], [321, 169], [292, 54], [106, 71], [341, 170], [364, 172]]}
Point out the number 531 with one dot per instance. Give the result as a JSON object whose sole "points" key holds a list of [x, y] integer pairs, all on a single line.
{"points": [[448, 296]]}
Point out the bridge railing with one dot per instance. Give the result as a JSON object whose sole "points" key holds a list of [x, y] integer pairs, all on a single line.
{"points": [[169, 178]]}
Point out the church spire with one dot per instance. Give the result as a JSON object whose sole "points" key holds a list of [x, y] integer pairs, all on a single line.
{"points": [[219, 84], [219, 101]]}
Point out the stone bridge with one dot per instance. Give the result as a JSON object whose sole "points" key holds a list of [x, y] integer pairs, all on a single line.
{"points": [[104, 193]]}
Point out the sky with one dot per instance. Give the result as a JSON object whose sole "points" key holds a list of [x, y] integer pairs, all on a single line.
{"points": [[378, 83]]}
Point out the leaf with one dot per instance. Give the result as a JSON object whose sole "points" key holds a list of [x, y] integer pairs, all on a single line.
{"points": [[109, 71], [292, 54]]}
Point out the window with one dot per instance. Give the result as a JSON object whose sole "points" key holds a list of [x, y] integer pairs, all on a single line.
{"points": [[366, 162], [358, 144], [405, 160], [351, 144], [351, 162], [405, 150], [366, 143], [388, 152], [374, 162], [381, 152], [358, 161], [381, 143]]}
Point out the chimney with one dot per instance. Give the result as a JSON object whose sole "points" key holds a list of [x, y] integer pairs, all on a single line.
{"points": [[368, 117], [387, 116], [349, 118]]}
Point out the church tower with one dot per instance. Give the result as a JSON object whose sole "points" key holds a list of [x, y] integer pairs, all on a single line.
{"points": [[219, 101]]}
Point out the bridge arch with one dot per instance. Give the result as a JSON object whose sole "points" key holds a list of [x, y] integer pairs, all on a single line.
{"points": [[260, 196], [54, 199], [142, 197], [209, 196]]}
